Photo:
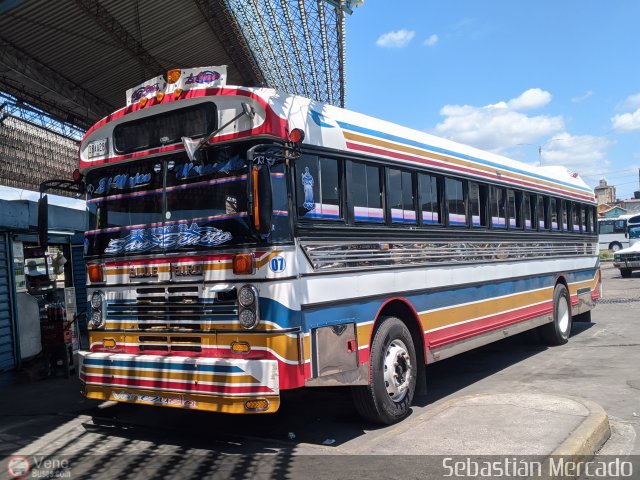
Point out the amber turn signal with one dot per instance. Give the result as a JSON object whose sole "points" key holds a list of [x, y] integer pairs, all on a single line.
{"points": [[159, 97], [173, 75], [257, 404], [95, 272], [240, 347], [243, 264]]}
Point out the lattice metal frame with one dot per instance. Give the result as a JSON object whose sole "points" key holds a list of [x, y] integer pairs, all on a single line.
{"points": [[297, 44], [12, 107]]}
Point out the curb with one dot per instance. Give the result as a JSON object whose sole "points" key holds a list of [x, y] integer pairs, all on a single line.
{"points": [[581, 444], [589, 436]]}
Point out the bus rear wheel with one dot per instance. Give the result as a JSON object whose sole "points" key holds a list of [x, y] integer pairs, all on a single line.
{"points": [[557, 332], [615, 246], [392, 378]]}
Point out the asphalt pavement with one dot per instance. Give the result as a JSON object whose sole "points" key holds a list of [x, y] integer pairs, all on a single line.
{"points": [[512, 398]]}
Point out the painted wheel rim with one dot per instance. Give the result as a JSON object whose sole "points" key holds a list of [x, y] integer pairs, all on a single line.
{"points": [[397, 370], [563, 315]]}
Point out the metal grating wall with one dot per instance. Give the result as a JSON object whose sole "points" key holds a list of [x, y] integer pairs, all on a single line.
{"points": [[7, 343], [29, 155]]}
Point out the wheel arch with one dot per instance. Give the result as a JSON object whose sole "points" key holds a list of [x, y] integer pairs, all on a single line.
{"points": [[561, 278], [403, 310]]}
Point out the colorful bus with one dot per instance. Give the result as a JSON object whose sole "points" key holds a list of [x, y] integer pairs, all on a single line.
{"points": [[244, 241]]}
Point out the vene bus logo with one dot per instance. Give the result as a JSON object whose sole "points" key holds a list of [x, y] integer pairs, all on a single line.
{"points": [[18, 466]]}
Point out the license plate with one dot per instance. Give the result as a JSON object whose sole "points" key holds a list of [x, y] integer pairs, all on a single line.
{"points": [[98, 148]]}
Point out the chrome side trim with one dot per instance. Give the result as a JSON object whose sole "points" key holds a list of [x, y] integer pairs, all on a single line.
{"points": [[433, 355], [353, 255]]}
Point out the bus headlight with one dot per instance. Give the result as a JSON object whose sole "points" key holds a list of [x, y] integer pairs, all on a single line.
{"points": [[248, 316], [247, 296], [98, 305]]}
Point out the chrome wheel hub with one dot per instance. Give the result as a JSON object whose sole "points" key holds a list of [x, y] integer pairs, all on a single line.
{"points": [[563, 315], [397, 370]]}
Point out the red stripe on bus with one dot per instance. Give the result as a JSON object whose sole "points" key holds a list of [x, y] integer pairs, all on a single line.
{"points": [[186, 387], [456, 333]]}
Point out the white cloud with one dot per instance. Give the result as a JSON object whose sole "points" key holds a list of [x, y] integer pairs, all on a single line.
{"points": [[431, 41], [532, 98], [632, 102], [582, 98], [500, 126], [627, 122], [397, 39], [581, 153]]}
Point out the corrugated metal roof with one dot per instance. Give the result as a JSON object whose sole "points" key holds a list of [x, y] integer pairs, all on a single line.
{"points": [[76, 59]]}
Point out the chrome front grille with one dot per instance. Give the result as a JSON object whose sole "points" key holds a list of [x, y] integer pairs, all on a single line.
{"points": [[174, 307]]}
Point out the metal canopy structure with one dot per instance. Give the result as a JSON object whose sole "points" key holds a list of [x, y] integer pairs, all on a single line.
{"points": [[73, 60]]}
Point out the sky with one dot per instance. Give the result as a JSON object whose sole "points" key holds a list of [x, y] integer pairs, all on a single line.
{"points": [[515, 77]]}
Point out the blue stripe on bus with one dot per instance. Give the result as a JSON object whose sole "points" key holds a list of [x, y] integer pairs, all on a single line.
{"points": [[414, 143], [103, 362]]}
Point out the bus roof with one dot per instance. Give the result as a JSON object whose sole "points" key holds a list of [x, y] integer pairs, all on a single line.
{"points": [[340, 129]]}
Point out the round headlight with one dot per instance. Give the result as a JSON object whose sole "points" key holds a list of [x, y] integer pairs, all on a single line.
{"points": [[96, 300], [247, 296], [248, 319], [96, 319]]}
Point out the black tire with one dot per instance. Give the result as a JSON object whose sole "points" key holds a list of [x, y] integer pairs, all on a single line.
{"points": [[557, 332], [625, 272], [583, 317], [615, 246], [374, 402]]}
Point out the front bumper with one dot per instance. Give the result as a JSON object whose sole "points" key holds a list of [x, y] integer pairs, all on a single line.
{"points": [[213, 384]]}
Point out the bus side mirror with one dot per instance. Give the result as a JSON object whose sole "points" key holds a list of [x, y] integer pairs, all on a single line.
{"points": [[261, 198], [43, 221]]}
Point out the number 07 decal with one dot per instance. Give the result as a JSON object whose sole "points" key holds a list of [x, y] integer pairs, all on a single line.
{"points": [[277, 264]]}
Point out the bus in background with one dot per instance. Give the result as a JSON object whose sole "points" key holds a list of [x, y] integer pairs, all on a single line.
{"points": [[633, 229], [612, 233], [244, 241]]}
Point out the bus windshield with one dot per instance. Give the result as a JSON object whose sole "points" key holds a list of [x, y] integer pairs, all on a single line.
{"points": [[169, 204]]}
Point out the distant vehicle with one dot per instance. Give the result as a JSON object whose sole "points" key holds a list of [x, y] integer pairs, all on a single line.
{"points": [[634, 234], [612, 233], [633, 230], [628, 259]]}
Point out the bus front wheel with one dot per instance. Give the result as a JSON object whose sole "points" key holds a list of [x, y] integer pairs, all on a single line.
{"points": [[392, 378], [557, 332]]}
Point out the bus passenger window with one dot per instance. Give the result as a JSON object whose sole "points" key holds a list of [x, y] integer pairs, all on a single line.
{"points": [[511, 208], [529, 211], [317, 188], [553, 208], [430, 199], [366, 192], [564, 215], [498, 212], [586, 219], [577, 214], [455, 202], [400, 197], [477, 204], [544, 222]]}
